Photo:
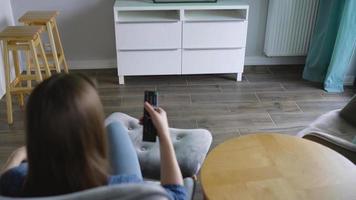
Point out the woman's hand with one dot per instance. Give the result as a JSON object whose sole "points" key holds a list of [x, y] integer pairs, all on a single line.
{"points": [[20, 154], [15, 159], [159, 119], [170, 171]]}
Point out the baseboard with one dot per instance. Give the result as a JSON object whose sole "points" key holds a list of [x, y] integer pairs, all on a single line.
{"points": [[263, 60], [92, 64], [249, 60]]}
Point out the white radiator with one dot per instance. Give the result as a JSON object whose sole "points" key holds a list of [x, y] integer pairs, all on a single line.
{"points": [[290, 24]]}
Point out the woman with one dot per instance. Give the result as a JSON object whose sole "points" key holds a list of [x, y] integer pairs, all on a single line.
{"points": [[66, 145]]}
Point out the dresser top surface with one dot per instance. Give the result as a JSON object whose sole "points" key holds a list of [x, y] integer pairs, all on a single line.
{"points": [[149, 5]]}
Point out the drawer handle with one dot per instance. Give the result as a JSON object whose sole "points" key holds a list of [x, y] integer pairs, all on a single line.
{"points": [[146, 22], [202, 49], [148, 50], [209, 21]]}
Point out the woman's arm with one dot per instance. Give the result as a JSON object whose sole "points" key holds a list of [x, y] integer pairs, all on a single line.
{"points": [[15, 159], [170, 171]]}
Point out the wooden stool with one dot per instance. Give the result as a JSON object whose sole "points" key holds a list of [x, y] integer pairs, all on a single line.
{"points": [[27, 39], [48, 20]]}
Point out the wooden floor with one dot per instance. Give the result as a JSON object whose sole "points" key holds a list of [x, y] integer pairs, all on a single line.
{"points": [[269, 99]]}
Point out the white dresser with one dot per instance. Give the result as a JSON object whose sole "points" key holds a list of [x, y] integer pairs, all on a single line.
{"points": [[180, 38]]}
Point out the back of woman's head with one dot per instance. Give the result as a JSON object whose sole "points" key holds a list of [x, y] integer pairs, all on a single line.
{"points": [[65, 136]]}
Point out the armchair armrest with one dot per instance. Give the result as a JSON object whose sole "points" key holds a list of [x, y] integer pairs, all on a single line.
{"points": [[190, 145], [339, 145], [189, 184]]}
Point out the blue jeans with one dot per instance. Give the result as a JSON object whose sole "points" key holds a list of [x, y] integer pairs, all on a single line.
{"points": [[122, 154]]}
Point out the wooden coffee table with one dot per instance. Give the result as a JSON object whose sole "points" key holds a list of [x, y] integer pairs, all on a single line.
{"points": [[277, 167]]}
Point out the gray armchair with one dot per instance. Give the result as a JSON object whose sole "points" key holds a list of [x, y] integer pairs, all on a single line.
{"points": [[339, 145], [336, 130], [122, 192], [190, 145], [118, 192]]}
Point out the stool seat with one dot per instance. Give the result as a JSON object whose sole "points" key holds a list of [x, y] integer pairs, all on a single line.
{"points": [[47, 19], [20, 33], [38, 17]]}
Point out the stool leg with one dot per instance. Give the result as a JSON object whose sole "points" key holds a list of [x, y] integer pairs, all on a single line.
{"points": [[15, 57], [8, 81], [53, 46], [37, 64], [44, 58], [28, 68], [59, 45], [16, 62]]}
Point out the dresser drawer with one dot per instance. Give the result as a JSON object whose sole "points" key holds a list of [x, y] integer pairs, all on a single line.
{"points": [[229, 34], [213, 61], [157, 62], [138, 36]]}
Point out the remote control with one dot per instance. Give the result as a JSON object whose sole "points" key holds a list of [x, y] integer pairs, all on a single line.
{"points": [[149, 130]]}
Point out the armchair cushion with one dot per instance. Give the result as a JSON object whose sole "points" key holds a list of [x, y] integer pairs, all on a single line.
{"points": [[332, 124], [135, 191], [190, 145], [339, 145], [115, 192], [333, 131], [348, 113]]}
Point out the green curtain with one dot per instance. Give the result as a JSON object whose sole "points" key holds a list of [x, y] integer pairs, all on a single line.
{"points": [[332, 44]]}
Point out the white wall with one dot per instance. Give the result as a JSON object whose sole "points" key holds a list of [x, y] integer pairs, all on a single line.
{"points": [[6, 19], [87, 29]]}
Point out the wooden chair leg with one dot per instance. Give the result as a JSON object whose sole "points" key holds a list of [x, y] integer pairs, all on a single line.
{"points": [[15, 57], [49, 26], [10, 119], [59, 45], [28, 68], [44, 58], [65, 65], [16, 62], [39, 77]]}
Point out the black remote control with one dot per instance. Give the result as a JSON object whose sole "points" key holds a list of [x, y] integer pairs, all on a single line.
{"points": [[149, 130]]}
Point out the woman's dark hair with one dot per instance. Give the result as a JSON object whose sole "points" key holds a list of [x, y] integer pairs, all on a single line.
{"points": [[65, 137]]}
